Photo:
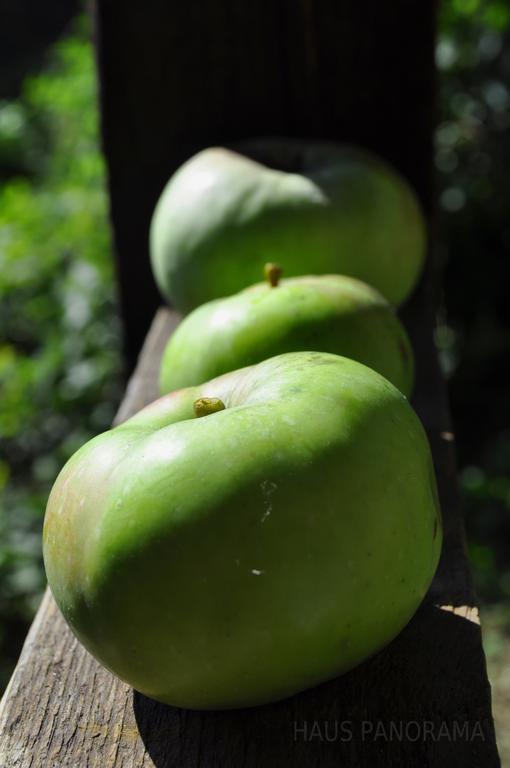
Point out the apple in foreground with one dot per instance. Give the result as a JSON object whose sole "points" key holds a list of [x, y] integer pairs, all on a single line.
{"points": [[325, 313], [237, 542], [222, 216]]}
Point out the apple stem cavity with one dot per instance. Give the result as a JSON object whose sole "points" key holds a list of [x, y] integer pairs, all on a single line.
{"points": [[204, 406], [273, 273]]}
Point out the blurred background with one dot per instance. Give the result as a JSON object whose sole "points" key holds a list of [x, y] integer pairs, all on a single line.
{"points": [[60, 339]]}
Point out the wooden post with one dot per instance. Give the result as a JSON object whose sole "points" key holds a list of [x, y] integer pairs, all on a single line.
{"points": [[177, 77]]}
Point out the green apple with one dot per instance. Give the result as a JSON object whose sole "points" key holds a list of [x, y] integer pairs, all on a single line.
{"points": [[326, 313], [237, 542], [222, 216]]}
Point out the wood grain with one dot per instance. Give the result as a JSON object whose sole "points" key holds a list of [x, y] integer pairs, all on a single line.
{"points": [[422, 701]]}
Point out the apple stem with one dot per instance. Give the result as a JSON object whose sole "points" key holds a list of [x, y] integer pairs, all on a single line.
{"points": [[273, 273], [204, 406]]}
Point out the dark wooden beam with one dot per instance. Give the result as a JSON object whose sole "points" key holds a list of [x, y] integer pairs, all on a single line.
{"points": [[176, 77]]}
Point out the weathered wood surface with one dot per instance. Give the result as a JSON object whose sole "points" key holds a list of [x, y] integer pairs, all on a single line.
{"points": [[423, 701]]}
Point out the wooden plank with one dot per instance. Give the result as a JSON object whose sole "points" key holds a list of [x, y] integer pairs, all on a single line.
{"points": [[422, 701]]}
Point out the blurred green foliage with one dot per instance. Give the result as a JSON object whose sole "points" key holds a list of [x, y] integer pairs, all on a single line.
{"points": [[59, 333], [472, 161]]}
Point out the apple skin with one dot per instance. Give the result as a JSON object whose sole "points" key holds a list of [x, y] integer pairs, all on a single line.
{"points": [[325, 313], [235, 559], [222, 216]]}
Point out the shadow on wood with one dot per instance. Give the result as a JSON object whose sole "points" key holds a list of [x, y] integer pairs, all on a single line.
{"points": [[418, 702]]}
